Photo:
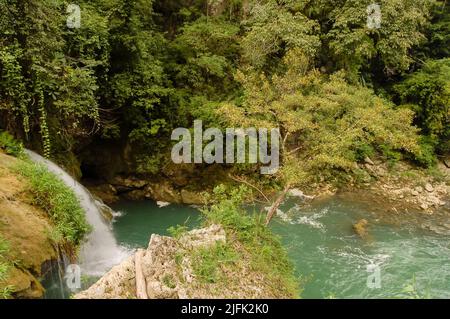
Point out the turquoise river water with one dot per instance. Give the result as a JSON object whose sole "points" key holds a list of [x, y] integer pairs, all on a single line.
{"points": [[410, 252], [408, 255]]}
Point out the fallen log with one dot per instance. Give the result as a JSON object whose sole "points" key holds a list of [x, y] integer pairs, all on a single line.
{"points": [[141, 286]]}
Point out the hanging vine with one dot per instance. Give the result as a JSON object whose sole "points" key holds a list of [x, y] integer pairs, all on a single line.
{"points": [[45, 134]]}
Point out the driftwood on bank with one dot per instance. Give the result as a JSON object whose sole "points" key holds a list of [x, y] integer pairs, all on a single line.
{"points": [[141, 286]]}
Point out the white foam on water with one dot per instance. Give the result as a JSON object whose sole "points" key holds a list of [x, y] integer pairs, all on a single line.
{"points": [[291, 217], [162, 204]]}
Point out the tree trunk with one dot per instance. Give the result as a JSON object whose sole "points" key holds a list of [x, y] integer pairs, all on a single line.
{"points": [[277, 204]]}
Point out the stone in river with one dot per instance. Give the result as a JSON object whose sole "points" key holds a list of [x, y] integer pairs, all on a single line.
{"points": [[360, 227]]}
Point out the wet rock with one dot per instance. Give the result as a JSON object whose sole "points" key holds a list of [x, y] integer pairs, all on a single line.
{"points": [[26, 229], [191, 197], [163, 192], [105, 210], [106, 192], [125, 185], [24, 284], [429, 188], [136, 194], [360, 228], [295, 192]]}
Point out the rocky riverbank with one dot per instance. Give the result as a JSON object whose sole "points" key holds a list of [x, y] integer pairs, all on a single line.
{"points": [[401, 187], [406, 188], [165, 270], [133, 188]]}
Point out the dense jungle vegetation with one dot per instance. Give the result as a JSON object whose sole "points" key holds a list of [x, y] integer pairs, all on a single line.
{"points": [[135, 70]]}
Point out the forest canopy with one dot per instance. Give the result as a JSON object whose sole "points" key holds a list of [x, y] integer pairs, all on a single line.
{"points": [[135, 70]]}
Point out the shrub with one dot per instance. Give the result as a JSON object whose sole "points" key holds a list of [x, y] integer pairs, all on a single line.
{"points": [[427, 93], [265, 249], [207, 261], [177, 231], [364, 150], [427, 155], [10, 145], [58, 200]]}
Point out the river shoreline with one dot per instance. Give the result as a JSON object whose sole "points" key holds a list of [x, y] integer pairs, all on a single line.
{"points": [[400, 189]]}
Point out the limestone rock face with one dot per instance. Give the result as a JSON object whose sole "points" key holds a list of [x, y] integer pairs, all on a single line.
{"points": [[160, 268], [118, 283]]}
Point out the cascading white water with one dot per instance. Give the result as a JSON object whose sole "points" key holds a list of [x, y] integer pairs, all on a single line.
{"points": [[100, 252]]}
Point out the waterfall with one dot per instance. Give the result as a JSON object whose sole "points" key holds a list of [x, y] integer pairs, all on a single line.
{"points": [[100, 252]]}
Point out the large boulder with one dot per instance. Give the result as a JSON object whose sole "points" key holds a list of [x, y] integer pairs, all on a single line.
{"points": [[159, 268]]}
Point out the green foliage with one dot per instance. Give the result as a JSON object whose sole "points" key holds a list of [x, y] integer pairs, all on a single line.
{"points": [[266, 252], [427, 93], [177, 231], [438, 33], [207, 262], [10, 145], [168, 281], [427, 156], [5, 292], [3, 271], [155, 65], [352, 44], [153, 71], [392, 155], [60, 203], [362, 151], [326, 123], [4, 246], [336, 32], [47, 71], [275, 26]]}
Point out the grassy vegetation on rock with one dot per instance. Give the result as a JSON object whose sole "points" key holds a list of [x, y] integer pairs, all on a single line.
{"points": [[58, 200], [4, 268], [251, 250], [248, 235]]}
